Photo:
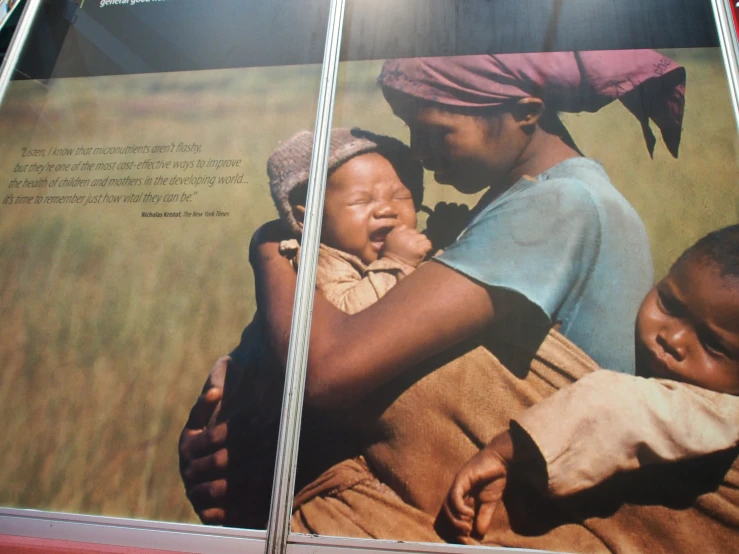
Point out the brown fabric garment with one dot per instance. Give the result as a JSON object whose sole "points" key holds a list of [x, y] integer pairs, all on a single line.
{"points": [[690, 506], [420, 437], [348, 500], [420, 434]]}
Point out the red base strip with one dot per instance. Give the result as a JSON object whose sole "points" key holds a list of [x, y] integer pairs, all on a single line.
{"points": [[11, 544]]}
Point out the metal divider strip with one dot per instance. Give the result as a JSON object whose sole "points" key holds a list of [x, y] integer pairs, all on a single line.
{"points": [[278, 528], [16, 44], [727, 36]]}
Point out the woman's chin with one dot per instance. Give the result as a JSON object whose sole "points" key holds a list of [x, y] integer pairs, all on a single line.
{"points": [[443, 178], [468, 188], [462, 183]]}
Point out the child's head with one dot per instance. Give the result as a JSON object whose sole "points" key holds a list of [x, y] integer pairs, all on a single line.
{"points": [[687, 328], [373, 185]]}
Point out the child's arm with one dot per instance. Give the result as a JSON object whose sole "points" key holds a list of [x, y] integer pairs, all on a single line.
{"points": [[605, 423], [609, 422]]}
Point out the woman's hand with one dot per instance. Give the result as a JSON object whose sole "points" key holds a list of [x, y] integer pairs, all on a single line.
{"points": [[203, 454], [477, 491]]}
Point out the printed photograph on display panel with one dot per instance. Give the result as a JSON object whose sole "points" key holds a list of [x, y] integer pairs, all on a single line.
{"points": [[129, 202], [569, 380], [527, 319], [556, 370]]}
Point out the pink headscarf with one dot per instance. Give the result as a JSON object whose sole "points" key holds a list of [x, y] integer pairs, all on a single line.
{"points": [[565, 81]]}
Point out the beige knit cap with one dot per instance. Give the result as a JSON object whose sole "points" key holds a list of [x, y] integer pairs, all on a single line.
{"points": [[289, 164]]}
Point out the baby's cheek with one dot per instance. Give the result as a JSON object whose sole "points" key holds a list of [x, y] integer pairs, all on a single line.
{"points": [[410, 220]]}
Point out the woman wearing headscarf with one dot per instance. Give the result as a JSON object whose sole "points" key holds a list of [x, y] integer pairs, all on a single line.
{"points": [[551, 237], [551, 242], [550, 226]]}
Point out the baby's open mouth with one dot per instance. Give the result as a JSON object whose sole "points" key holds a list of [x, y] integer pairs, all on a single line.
{"points": [[378, 236]]}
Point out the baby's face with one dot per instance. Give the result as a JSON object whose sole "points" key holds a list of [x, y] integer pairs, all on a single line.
{"points": [[365, 200], [687, 328]]}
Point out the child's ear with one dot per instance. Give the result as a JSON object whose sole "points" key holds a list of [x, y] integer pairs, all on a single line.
{"points": [[299, 215]]}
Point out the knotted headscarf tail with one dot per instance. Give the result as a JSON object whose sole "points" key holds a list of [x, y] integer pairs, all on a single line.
{"points": [[650, 85]]}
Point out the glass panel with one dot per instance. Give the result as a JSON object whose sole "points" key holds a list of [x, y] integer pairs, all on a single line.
{"points": [[580, 164], [135, 144]]}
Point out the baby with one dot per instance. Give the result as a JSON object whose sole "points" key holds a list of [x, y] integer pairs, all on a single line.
{"points": [[369, 242], [682, 403], [368, 238]]}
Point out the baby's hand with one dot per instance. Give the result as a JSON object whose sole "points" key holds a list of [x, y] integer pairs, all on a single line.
{"points": [[478, 490], [406, 245]]}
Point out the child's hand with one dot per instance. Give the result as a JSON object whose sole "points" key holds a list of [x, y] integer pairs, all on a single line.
{"points": [[478, 490], [406, 245]]}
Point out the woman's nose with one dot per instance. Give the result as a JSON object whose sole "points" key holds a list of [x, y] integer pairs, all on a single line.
{"points": [[673, 339], [419, 146]]}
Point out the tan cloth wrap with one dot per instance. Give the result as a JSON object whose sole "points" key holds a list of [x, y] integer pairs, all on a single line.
{"points": [[347, 282]]}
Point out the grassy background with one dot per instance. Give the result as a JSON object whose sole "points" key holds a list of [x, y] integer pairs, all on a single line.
{"points": [[111, 321]]}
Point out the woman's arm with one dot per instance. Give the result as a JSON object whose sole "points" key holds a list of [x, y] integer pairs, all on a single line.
{"points": [[351, 355]]}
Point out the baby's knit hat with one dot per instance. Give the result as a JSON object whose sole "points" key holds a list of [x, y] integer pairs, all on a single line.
{"points": [[289, 164]]}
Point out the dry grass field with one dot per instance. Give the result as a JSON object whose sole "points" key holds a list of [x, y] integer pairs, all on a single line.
{"points": [[109, 321]]}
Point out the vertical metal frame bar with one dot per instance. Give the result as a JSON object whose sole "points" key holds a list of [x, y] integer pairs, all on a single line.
{"points": [[16, 44], [727, 36], [278, 528]]}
